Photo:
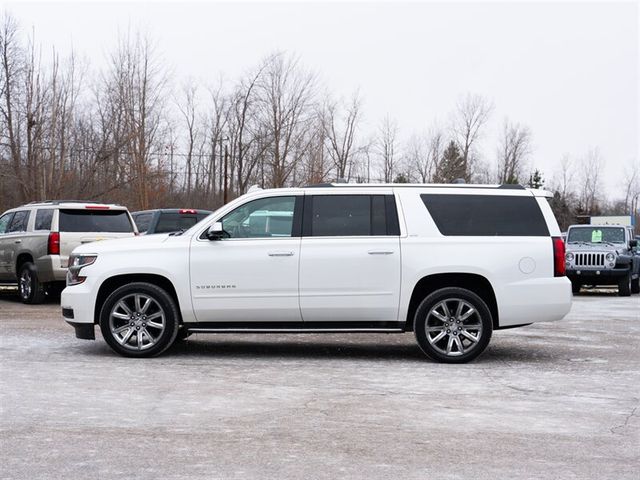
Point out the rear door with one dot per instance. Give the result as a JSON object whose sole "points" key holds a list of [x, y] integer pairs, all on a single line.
{"points": [[350, 258], [78, 226], [11, 241], [5, 245]]}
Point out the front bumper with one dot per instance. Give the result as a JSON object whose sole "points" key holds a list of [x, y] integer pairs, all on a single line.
{"points": [[84, 331], [78, 309], [604, 276]]}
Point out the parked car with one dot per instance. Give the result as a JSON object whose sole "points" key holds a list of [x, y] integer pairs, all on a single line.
{"points": [[37, 239], [451, 263], [166, 220], [603, 255]]}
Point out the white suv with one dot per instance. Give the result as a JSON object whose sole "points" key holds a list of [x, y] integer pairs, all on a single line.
{"points": [[451, 263]]}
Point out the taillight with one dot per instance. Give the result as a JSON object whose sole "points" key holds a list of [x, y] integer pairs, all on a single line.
{"points": [[558, 257], [53, 245], [187, 210]]}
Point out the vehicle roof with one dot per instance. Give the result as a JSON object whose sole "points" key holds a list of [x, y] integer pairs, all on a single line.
{"points": [[68, 204], [600, 226], [171, 210]]}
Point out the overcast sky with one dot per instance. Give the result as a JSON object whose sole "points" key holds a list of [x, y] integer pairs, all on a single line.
{"points": [[570, 71]]}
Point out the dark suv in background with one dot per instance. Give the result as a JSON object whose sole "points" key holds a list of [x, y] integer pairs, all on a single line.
{"points": [[167, 220]]}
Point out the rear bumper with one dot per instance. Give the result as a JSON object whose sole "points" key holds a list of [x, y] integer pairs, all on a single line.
{"points": [[50, 269], [536, 300]]}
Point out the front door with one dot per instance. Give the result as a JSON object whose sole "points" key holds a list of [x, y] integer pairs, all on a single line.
{"points": [[252, 275], [350, 259]]}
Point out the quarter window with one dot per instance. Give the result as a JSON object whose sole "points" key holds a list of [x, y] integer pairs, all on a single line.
{"points": [[486, 215], [263, 218], [143, 220]]}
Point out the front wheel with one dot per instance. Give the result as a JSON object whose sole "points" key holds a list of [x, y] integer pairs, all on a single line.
{"points": [[453, 325], [139, 320], [624, 286]]}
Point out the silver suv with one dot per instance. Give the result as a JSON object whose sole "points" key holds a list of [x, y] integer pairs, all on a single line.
{"points": [[37, 239]]}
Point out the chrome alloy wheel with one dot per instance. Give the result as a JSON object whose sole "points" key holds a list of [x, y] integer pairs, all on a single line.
{"points": [[453, 327], [137, 321], [25, 284]]}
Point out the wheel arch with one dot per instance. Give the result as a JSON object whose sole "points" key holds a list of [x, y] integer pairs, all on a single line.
{"points": [[112, 283], [474, 282], [21, 259]]}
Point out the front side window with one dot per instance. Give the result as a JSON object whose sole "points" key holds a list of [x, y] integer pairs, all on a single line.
{"points": [[5, 220], [596, 235], [43, 219], [19, 222], [263, 218]]}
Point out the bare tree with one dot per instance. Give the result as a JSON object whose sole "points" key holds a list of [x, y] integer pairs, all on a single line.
{"points": [[471, 114], [340, 125], [187, 108], [590, 181], [386, 147], [515, 145]]}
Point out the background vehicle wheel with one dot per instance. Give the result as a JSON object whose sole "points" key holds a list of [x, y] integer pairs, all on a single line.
{"points": [[29, 288], [453, 325], [635, 285], [624, 286], [139, 320], [575, 287]]}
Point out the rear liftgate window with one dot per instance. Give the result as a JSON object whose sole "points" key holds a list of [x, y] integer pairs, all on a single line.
{"points": [[115, 221], [486, 215]]}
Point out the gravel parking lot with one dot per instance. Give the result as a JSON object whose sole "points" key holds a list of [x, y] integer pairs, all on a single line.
{"points": [[546, 401]]}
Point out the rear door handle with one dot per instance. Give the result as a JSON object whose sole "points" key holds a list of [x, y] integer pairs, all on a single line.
{"points": [[380, 252], [280, 254], [17, 241]]}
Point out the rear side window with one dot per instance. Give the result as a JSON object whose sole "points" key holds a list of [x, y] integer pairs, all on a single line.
{"points": [[143, 220], [486, 215], [19, 222], [173, 222], [114, 221], [350, 215], [43, 219]]}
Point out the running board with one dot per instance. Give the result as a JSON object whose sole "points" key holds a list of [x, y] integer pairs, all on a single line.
{"points": [[295, 327]]}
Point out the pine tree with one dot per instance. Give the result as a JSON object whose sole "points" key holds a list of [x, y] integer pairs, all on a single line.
{"points": [[536, 180], [451, 166]]}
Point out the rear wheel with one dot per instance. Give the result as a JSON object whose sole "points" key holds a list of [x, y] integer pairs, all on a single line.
{"points": [[624, 286], [30, 289], [453, 325], [139, 320]]}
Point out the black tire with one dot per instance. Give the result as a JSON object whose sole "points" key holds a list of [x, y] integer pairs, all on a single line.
{"points": [[624, 286], [30, 289], [635, 285], [434, 348], [575, 287], [136, 326]]}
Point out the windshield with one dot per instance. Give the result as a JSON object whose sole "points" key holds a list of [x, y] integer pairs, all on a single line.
{"points": [[596, 235]]}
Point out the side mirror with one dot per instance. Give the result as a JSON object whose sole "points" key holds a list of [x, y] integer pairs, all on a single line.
{"points": [[633, 243], [216, 232]]}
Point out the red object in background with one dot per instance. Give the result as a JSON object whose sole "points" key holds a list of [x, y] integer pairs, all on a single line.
{"points": [[559, 269], [53, 245], [187, 210], [97, 207]]}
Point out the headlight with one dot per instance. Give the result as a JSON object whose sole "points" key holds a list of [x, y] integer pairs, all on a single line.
{"points": [[610, 257], [568, 257], [77, 263]]}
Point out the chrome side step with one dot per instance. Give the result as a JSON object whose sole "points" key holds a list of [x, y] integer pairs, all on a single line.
{"points": [[294, 330], [295, 327]]}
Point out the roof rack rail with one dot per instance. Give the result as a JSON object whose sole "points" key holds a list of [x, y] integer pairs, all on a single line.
{"points": [[319, 185], [58, 202], [511, 186]]}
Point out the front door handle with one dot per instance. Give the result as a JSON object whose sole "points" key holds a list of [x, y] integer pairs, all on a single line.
{"points": [[17, 241], [280, 254], [380, 252]]}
